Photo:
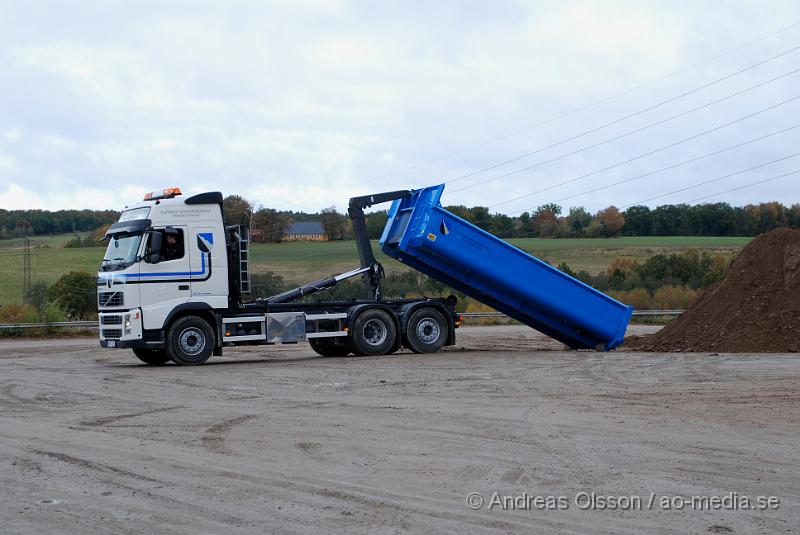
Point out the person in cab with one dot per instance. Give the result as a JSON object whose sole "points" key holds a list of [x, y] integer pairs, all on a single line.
{"points": [[173, 246]]}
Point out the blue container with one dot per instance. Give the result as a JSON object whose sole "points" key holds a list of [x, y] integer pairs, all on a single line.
{"points": [[428, 238]]}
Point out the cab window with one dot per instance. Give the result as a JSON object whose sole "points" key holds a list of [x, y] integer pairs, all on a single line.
{"points": [[172, 244]]}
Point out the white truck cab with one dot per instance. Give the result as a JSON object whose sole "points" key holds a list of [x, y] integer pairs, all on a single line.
{"points": [[172, 280]]}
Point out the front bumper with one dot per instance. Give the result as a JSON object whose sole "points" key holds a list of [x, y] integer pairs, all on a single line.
{"points": [[121, 329], [126, 344]]}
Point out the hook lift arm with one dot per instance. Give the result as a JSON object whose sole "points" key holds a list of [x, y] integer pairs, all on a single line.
{"points": [[372, 277], [371, 270]]}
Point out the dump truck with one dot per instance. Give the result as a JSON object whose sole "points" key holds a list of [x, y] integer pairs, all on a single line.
{"points": [[175, 280]]}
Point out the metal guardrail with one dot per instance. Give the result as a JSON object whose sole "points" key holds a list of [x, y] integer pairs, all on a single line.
{"points": [[90, 324], [93, 324]]}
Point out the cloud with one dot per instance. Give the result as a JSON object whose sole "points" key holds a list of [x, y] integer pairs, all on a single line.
{"points": [[301, 105]]}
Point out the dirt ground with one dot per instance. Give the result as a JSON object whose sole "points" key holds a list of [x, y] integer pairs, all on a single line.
{"points": [[277, 440]]}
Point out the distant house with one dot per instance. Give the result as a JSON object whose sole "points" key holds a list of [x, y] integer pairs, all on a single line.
{"points": [[306, 231], [257, 235]]}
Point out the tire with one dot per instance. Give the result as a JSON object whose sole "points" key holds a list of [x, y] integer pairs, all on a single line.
{"points": [[154, 357], [427, 331], [190, 341], [327, 348], [373, 333]]}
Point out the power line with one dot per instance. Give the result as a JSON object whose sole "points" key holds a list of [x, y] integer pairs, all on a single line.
{"points": [[703, 183], [796, 171], [685, 162], [26, 270], [591, 105], [750, 185], [635, 131], [654, 151], [634, 216], [717, 179], [626, 117]]}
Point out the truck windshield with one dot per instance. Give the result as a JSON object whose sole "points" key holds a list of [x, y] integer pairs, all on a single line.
{"points": [[121, 251]]}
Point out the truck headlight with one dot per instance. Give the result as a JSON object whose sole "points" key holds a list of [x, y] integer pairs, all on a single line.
{"points": [[127, 322]]}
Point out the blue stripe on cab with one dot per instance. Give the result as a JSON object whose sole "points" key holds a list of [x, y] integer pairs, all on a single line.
{"points": [[174, 273]]}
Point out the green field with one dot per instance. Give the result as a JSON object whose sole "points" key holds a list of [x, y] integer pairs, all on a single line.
{"points": [[305, 261], [595, 254]]}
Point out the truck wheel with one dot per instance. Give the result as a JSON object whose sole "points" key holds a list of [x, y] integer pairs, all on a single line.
{"points": [[190, 341], [426, 331], [373, 333], [327, 348], [151, 356]]}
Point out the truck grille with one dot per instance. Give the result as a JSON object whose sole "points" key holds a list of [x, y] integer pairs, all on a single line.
{"points": [[110, 299], [112, 333], [111, 320]]}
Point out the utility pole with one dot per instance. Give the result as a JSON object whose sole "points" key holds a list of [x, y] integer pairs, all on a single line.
{"points": [[26, 270]]}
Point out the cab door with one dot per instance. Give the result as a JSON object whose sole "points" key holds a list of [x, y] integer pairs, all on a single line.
{"points": [[210, 266], [166, 284]]}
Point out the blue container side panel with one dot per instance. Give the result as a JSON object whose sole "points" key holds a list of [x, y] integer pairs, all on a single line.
{"points": [[427, 237]]}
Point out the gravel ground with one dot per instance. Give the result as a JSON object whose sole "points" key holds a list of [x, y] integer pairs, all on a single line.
{"points": [[278, 440]]}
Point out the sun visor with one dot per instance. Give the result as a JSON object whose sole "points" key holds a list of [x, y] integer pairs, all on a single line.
{"points": [[129, 227]]}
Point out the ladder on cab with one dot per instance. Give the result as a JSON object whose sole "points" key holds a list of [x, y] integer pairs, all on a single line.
{"points": [[244, 260]]}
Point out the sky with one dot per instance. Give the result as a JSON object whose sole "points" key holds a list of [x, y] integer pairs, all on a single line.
{"points": [[299, 105]]}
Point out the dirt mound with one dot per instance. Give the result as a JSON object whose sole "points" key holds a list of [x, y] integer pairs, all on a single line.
{"points": [[754, 309]]}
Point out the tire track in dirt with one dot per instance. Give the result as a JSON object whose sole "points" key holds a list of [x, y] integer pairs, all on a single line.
{"points": [[214, 437], [105, 420], [7, 393], [83, 463], [143, 488], [20, 396]]}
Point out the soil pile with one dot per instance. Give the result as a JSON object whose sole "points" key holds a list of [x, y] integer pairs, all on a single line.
{"points": [[754, 309]]}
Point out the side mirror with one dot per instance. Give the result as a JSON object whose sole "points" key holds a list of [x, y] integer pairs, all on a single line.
{"points": [[154, 256]]}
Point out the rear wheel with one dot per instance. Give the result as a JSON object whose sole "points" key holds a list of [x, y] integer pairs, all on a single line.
{"points": [[327, 348], [427, 331], [152, 356], [373, 333], [190, 341]]}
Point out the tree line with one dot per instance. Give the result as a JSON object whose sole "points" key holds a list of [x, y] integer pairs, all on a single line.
{"points": [[19, 223], [271, 226], [550, 220], [713, 219], [547, 221]]}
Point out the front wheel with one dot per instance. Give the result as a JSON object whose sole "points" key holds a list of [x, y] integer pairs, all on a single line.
{"points": [[190, 341], [427, 331], [153, 357], [373, 333]]}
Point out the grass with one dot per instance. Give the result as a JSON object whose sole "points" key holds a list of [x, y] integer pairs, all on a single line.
{"points": [[680, 242], [56, 240], [49, 260], [302, 261], [305, 261], [595, 254]]}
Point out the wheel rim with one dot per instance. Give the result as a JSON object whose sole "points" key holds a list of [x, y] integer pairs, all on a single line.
{"points": [[192, 341], [374, 332], [428, 331]]}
